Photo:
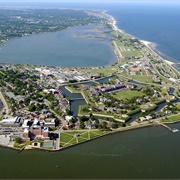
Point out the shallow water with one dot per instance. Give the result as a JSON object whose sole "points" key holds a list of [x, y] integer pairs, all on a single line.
{"points": [[66, 48]]}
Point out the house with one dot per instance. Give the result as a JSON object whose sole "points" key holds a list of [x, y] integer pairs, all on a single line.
{"points": [[138, 100], [94, 92], [127, 57], [142, 119], [101, 108], [133, 71], [110, 109], [148, 117]]}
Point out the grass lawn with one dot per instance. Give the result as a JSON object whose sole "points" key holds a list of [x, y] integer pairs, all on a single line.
{"points": [[104, 71], [67, 138], [71, 89], [178, 105], [171, 119], [21, 145], [146, 79], [128, 94]]}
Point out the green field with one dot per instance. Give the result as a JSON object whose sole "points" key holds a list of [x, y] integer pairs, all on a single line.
{"points": [[146, 79], [128, 94], [67, 138], [106, 71], [72, 90], [172, 118]]}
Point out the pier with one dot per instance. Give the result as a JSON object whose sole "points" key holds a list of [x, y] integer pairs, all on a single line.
{"points": [[174, 130], [165, 126]]}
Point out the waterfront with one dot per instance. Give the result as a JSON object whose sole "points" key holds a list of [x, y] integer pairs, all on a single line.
{"points": [[144, 153], [73, 47]]}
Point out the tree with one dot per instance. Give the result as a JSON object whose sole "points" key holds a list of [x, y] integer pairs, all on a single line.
{"points": [[68, 112], [18, 140], [104, 124], [83, 118], [82, 126]]}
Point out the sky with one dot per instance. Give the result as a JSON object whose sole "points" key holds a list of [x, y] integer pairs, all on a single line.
{"points": [[109, 1]]}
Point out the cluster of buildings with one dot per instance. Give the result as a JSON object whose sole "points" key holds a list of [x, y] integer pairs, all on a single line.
{"points": [[57, 93], [34, 127], [110, 88]]}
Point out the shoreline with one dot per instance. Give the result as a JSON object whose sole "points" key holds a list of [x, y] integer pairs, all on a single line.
{"points": [[148, 44], [120, 130], [144, 42]]}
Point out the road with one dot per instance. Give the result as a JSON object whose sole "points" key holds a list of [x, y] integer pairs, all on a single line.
{"points": [[117, 50], [47, 103], [4, 103]]}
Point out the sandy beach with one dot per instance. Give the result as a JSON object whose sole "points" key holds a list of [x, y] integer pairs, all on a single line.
{"points": [[149, 44], [146, 43]]}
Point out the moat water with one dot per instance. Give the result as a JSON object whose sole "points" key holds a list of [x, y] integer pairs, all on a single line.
{"points": [[146, 153], [1, 105]]}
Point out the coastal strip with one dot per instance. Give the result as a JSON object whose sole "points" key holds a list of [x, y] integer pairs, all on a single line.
{"points": [[144, 42]]}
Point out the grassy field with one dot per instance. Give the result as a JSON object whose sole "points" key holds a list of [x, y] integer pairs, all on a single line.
{"points": [[128, 94], [103, 70], [72, 90], [67, 138], [146, 79], [178, 105], [172, 119]]}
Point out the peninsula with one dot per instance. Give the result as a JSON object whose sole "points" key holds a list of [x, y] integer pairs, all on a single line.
{"points": [[56, 107]]}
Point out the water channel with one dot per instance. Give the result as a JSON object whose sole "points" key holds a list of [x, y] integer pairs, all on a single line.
{"points": [[76, 99]]}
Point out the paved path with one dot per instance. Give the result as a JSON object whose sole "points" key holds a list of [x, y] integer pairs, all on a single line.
{"points": [[4, 103], [117, 49]]}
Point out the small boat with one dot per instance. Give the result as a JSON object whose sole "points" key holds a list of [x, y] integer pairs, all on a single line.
{"points": [[175, 130]]}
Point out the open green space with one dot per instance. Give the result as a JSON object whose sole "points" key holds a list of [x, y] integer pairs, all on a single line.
{"points": [[104, 71], [128, 94], [70, 138], [72, 89], [146, 79], [171, 118]]}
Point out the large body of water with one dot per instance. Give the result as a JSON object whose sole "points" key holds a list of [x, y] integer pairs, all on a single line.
{"points": [[149, 153], [154, 22], [157, 23], [68, 48]]}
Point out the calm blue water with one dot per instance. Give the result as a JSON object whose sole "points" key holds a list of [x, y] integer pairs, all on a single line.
{"points": [[158, 23], [64, 48]]}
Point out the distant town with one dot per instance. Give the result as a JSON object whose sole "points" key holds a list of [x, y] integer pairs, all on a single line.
{"points": [[48, 107]]}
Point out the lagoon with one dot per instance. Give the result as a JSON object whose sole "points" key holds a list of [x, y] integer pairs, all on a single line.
{"points": [[82, 46]]}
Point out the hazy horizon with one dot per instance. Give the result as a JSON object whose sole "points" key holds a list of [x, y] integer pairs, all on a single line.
{"points": [[90, 1]]}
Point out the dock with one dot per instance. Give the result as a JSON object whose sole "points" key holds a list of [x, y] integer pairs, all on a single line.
{"points": [[164, 125], [174, 130]]}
